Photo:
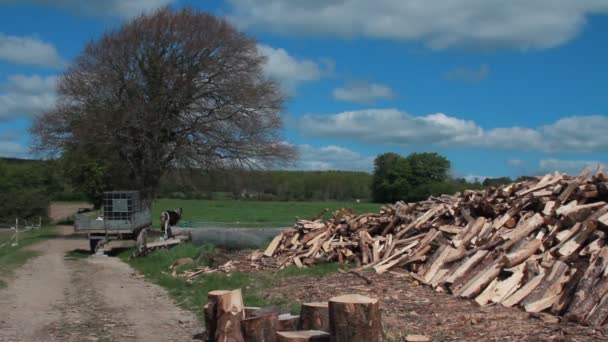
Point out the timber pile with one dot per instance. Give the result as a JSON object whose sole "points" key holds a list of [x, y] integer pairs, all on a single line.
{"points": [[539, 244]]}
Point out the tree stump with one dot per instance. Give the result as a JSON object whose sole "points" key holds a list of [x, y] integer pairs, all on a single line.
{"points": [[303, 336], [355, 318], [223, 315], [260, 328], [314, 316], [288, 322], [251, 310]]}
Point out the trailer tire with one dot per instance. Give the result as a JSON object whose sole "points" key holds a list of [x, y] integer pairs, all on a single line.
{"points": [[93, 245]]}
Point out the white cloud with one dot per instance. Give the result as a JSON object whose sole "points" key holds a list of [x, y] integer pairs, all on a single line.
{"points": [[114, 8], [12, 149], [363, 92], [26, 95], [578, 134], [29, 51], [515, 162], [469, 75], [288, 70], [571, 167], [484, 24], [332, 158]]}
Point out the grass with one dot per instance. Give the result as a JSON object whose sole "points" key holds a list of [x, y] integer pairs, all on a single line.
{"points": [[12, 257], [252, 213], [193, 296]]}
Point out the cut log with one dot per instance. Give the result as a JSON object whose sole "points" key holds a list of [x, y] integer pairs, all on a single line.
{"points": [[303, 336], [582, 310], [467, 266], [552, 294], [599, 314], [525, 290], [355, 318], [525, 228], [478, 283], [260, 329], [553, 277], [251, 310], [504, 288], [288, 322], [314, 316], [224, 312], [573, 245], [522, 254], [272, 247], [585, 285], [562, 303]]}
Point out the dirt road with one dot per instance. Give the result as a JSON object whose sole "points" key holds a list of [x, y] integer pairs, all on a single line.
{"points": [[54, 298]]}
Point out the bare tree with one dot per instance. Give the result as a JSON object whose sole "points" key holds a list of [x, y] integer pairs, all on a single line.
{"points": [[170, 90]]}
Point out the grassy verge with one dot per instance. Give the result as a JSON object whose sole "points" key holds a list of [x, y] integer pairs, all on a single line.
{"points": [[253, 213], [193, 296], [11, 257]]}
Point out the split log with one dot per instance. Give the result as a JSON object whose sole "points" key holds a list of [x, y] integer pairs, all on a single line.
{"points": [[553, 277], [525, 290], [272, 247], [260, 329], [563, 301], [355, 318], [585, 285], [599, 314], [303, 336], [478, 283], [288, 322], [223, 315], [522, 254], [314, 316], [599, 290], [557, 278]]}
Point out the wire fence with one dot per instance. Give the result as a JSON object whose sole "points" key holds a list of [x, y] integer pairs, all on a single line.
{"points": [[15, 229], [234, 224]]}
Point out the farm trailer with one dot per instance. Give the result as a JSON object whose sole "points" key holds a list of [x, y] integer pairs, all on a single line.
{"points": [[123, 215]]}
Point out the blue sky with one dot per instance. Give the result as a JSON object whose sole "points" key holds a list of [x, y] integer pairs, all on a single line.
{"points": [[500, 88]]}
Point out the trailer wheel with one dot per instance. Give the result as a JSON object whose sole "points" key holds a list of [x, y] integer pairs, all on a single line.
{"points": [[93, 245]]}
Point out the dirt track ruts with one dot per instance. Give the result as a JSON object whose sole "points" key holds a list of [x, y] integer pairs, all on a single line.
{"points": [[52, 298]]}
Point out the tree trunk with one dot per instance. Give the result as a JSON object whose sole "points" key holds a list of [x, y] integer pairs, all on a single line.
{"points": [[314, 316], [260, 329], [303, 336], [223, 315], [355, 318], [288, 322]]}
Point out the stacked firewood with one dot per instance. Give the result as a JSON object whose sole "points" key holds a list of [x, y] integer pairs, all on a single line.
{"points": [[538, 244]]}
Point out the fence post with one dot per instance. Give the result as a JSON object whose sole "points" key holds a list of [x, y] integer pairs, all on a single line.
{"points": [[16, 232]]}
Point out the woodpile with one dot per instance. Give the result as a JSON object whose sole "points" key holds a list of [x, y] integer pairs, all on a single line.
{"points": [[348, 318], [539, 244]]}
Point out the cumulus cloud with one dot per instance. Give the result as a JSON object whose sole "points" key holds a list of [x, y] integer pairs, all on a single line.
{"points": [[10, 149], [468, 74], [571, 167], [288, 70], [363, 92], [114, 8], [331, 158], [26, 95], [481, 24], [29, 51], [391, 126]]}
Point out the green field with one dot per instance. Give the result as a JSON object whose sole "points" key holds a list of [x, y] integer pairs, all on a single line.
{"points": [[251, 213]]}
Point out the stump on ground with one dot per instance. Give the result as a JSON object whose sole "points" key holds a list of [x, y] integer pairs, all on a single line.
{"points": [[314, 316], [303, 336], [355, 318], [288, 322], [223, 315], [260, 328]]}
